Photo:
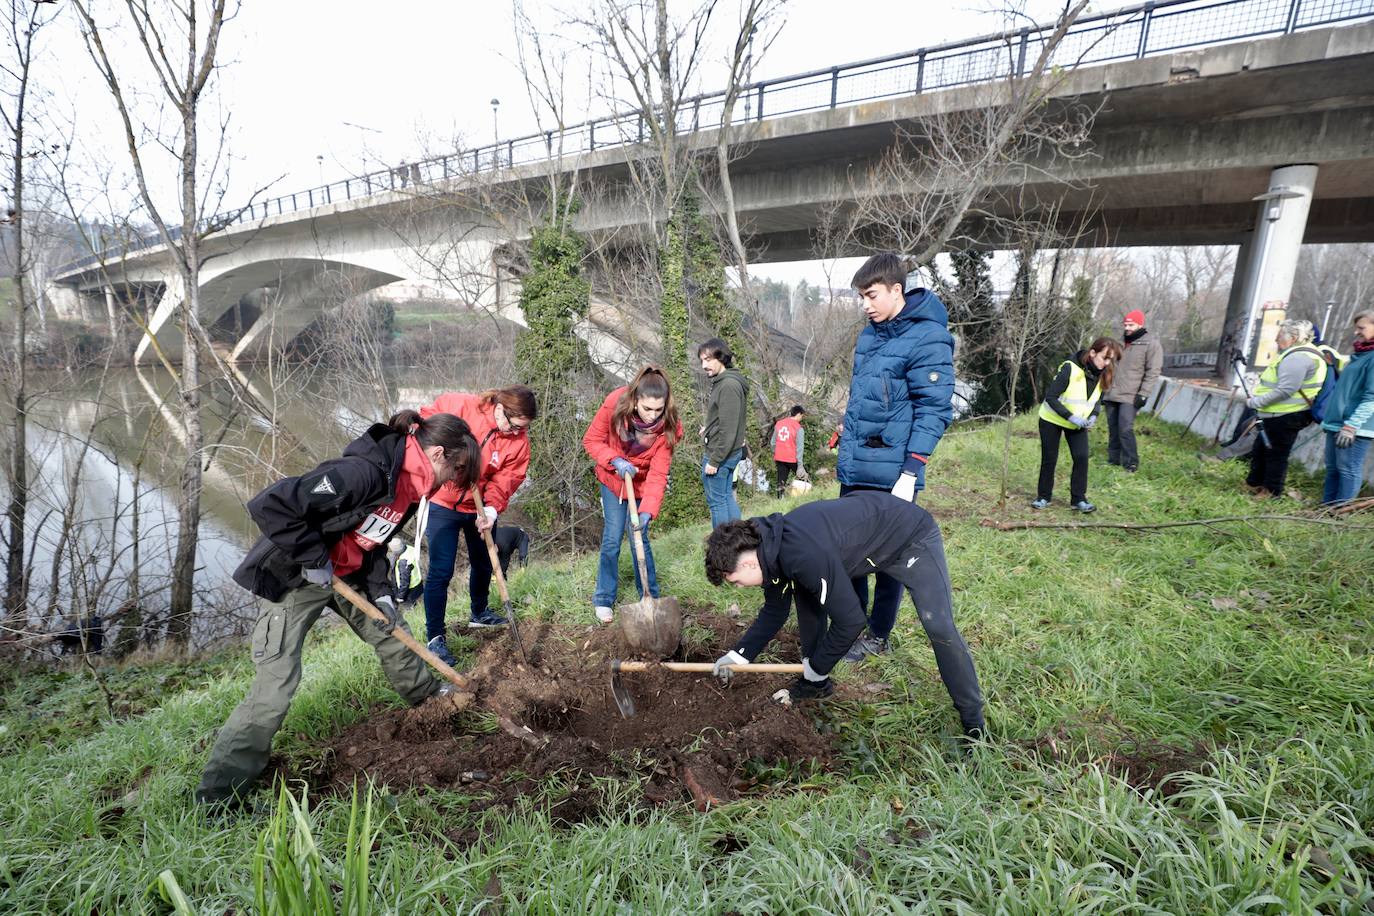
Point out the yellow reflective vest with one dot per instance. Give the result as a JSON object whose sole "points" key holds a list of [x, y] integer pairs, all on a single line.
{"points": [[1076, 397], [1302, 398]]}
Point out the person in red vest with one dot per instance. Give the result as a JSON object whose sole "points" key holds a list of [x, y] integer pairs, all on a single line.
{"points": [[500, 421], [633, 434], [789, 446]]}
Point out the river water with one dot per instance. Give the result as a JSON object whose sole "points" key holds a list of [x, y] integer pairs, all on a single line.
{"points": [[94, 435]]}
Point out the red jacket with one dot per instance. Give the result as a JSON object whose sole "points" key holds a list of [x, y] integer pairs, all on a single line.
{"points": [[415, 480], [651, 465], [505, 457], [785, 439]]}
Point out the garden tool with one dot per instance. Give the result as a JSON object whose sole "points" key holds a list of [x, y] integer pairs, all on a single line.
{"points": [[507, 609], [1259, 422], [626, 704], [652, 626], [356, 598]]}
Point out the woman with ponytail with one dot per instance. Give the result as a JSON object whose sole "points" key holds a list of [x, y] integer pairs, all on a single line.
{"points": [[332, 521], [633, 434], [500, 420]]}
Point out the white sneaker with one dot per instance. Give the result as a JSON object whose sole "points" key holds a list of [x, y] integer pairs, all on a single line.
{"points": [[605, 614]]}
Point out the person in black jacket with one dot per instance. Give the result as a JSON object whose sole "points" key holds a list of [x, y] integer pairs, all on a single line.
{"points": [[1070, 409], [811, 554], [335, 520]]}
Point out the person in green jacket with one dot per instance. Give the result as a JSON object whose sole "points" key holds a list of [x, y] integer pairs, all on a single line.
{"points": [[1349, 418], [723, 434]]}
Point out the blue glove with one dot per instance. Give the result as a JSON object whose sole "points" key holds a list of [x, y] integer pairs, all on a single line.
{"points": [[321, 576], [643, 521], [623, 468], [1080, 422], [1092, 421]]}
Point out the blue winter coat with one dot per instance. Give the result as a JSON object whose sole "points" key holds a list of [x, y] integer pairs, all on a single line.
{"points": [[901, 394], [1353, 400]]}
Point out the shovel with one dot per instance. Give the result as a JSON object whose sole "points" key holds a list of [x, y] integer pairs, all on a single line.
{"points": [[626, 704], [651, 626], [506, 607], [355, 598]]}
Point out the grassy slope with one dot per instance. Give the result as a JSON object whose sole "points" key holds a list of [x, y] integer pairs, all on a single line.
{"points": [[1097, 639]]}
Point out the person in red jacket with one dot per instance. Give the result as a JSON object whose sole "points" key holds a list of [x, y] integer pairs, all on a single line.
{"points": [[633, 434], [500, 421], [789, 447]]}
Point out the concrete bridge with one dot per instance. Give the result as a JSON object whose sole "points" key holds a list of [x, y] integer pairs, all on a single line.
{"points": [[1264, 142]]}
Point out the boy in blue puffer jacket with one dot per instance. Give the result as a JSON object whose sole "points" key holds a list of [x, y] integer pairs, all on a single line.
{"points": [[900, 403]]}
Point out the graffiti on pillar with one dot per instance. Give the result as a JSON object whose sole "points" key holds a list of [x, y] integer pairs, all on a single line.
{"points": [[1271, 314]]}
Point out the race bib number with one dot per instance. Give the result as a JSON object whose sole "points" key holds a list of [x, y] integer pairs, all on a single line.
{"points": [[376, 528]]}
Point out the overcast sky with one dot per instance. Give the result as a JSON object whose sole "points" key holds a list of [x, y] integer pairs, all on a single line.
{"points": [[363, 84]]}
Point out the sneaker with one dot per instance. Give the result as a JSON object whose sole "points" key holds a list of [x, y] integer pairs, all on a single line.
{"points": [[973, 736], [486, 619], [865, 646], [1130, 468], [439, 646], [811, 690], [604, 614], [1041, 503], [1084, 506]]}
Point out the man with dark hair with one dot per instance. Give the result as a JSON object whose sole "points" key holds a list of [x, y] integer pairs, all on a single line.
{"points": [[900, 402], [810, 555], [723, 434], [789, 445]]}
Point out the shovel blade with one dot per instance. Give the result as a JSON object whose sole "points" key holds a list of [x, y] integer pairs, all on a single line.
{"points": [[651, 626], [623, 701]]}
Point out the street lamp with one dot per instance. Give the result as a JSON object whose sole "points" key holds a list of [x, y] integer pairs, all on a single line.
{"points": [[495, 132], [319, 160]]}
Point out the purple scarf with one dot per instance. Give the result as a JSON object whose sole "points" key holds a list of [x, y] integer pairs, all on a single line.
{"points": [[641, 436]]}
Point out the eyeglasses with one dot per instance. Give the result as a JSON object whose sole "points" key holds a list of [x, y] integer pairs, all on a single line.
{"points": [[517, 427]]}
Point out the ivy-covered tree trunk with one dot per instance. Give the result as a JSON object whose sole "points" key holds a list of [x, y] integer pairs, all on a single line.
{"points": [[553, 361]]}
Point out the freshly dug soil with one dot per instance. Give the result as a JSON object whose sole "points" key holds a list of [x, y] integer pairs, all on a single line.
{"points": [[692, 740]]}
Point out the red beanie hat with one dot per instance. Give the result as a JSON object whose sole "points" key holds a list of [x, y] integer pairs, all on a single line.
{"points": [[1136, 316]]}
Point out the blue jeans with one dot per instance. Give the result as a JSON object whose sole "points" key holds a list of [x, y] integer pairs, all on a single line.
{"points": [[616, 527], [720, 488], [887, 591], [1344, 470], [441, 534]]}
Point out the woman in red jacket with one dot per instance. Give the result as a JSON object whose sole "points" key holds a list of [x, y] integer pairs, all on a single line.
{"points": [[634, 434], [500, 420]]}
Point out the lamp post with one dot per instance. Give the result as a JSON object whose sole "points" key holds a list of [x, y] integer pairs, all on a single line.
{"points": [[319, 160], [495, 133]]}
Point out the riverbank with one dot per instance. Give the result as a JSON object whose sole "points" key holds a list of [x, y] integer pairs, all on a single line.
{"points": [[1181, 723]]}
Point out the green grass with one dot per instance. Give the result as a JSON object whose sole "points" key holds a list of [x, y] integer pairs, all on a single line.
{"points": [[1248, 643]]}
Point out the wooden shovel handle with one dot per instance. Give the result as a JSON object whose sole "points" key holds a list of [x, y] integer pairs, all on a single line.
{"points": [[355, 598], [491, 549], [707, 667], [637, 536]]}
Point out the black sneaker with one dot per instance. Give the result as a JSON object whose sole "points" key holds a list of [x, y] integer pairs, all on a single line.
{"points": [[486, 619], [1130, 468], [865, 646], [811, 690], [1084, 506], [439, 646]]}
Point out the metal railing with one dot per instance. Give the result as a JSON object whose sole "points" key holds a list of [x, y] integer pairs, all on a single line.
{"points": [[1126, 34]]}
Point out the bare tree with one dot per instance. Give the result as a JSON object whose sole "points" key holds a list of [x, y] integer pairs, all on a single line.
{"points": [[179, 42]]}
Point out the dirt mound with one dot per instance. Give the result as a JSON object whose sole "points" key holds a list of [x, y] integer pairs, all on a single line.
{"points": [[1141, 763], [550, 728]]}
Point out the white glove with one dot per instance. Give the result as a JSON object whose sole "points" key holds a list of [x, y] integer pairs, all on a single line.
{"points": [[1080, 422], [905, 487], [1092, 421], [729, 658], [810, 673], [321, 576], [488, 521]]}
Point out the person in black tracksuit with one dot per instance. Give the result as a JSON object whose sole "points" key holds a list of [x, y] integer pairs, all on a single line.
{"points": [[332, 521], [811, 554]]}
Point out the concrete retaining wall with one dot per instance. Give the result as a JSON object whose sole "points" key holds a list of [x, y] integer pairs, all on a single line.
{"points": [[1213, 413]]}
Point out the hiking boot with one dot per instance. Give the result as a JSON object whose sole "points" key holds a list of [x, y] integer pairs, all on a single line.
{"points": [[487, 618], [811, 690], [1041, 503], [604, 614], [1084, 506], [973, 736], [865, 646], [439, 646]]}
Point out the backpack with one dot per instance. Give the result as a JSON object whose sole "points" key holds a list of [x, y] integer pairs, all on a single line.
{"points": [[1333, 372]]}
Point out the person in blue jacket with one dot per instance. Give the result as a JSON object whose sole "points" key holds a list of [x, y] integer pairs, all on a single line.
{"points": [[900, 403], [1349, 418]]}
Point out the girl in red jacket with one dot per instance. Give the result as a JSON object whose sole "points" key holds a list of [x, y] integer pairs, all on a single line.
{"points": [[634, 434], [500, 420]]}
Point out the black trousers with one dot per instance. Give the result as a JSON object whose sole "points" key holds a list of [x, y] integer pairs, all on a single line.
{"points": [[1049, 457], [785, 471], [922, 571], [1121, 444], [887, 591], [1269, 463]]}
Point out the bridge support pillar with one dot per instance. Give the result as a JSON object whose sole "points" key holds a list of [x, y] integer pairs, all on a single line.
{"points": [[1269, 268], [1237, 310]]}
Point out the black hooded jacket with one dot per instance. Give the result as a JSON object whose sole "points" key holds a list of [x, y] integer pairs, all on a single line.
{"points": [[301, 518], [812, 553], [1060, 384]]}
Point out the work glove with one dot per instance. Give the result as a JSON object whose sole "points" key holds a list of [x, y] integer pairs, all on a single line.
{"points": [[810, 673], [321, 575], [623, 467], [1092, 421], [643, 520], [1252, 402], [488, 519], [387, 605], [1346, 437], [1139, 401], [905, 487], [802, 475], [729, 658], [1080, 422]]}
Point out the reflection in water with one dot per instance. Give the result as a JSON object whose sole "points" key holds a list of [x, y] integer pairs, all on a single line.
{"points": [[106, 452]]}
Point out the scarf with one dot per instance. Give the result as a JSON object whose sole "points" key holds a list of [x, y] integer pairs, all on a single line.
{"points": [[640, 436], [1134, 336], [1361, 345]]}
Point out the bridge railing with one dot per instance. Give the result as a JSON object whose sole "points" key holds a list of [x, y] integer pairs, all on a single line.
{"points": [[1130, 33]]}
